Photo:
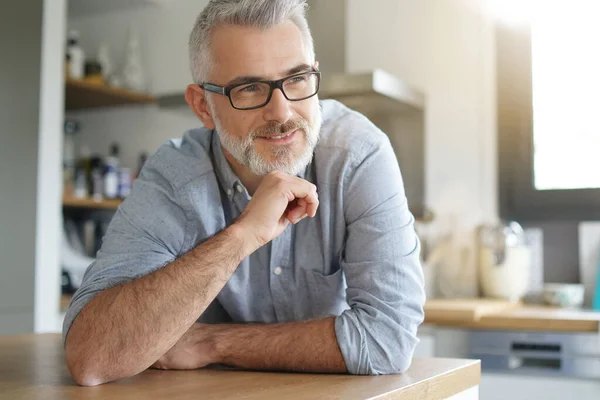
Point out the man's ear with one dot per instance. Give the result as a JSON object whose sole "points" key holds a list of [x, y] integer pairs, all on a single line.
{"points": [[196, 98], [316, 66]]}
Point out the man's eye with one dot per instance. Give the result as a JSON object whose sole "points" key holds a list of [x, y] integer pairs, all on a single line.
{"points": [[250, 88], [297, 79]]}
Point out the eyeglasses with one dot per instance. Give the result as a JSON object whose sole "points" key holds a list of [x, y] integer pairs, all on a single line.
{"points": [[252, 95]]}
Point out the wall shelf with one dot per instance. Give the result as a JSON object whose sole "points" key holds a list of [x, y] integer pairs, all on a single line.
{"points": [[80, 94], [104, 204]]}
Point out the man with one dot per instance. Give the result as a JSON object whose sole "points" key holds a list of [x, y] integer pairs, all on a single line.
{"points": [[225, 253]]}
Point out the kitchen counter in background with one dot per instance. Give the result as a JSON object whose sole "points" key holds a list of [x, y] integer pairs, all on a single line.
{"points": [[33, 367], [526, 351], [504, 315]]}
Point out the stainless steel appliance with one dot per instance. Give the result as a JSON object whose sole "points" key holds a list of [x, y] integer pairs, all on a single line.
{"points": [[537, 353]]}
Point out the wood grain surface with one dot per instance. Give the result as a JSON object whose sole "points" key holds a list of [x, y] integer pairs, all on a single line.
{"points": [[32, 367], [486, 314]]}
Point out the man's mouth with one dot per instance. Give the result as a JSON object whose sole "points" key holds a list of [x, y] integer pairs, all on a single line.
{"points": [[280, 137]]}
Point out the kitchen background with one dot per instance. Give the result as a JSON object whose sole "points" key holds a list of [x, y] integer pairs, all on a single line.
{"points": [[446, 54]]}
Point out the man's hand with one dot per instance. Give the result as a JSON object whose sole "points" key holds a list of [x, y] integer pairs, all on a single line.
{"points": [[306, 346], [192, 351], [279, 200]]}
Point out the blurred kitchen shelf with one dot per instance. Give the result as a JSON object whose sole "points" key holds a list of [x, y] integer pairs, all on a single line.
{"points": [[106, 204], [65, 299], [80, 95]]}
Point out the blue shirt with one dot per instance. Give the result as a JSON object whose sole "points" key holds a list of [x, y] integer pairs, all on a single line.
{"points": [[357, 259]]}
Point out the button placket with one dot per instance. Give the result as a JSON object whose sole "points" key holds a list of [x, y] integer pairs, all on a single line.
{"points": [[280, 261]]}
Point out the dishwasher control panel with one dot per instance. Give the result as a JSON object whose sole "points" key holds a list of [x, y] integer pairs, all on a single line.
{"points": [[558, 354]]}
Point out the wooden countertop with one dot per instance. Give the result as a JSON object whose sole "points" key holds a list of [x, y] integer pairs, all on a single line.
{"points": [[33, 367], [504, 315]]}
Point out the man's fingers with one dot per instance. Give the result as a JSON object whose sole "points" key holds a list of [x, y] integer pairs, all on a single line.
{"points": [[306, 195], [311, 208], [298, 211]]}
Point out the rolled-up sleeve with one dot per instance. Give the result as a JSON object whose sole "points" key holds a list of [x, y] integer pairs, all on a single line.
{"points": [[378, 333], [146, 233]]}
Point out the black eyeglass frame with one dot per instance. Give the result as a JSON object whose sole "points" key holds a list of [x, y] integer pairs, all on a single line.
{"points": [[278, 84]]}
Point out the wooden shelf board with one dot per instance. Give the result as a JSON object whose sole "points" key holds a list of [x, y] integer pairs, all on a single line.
{"points": [[107, 204], [80, 95]]}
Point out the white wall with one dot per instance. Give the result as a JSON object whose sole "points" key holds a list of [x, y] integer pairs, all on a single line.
{"points": [[446, 49], [49, 172], [19, 134], [30, 177]]}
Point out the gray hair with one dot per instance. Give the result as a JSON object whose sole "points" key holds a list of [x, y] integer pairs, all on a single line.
{"points": [[261, 14]]}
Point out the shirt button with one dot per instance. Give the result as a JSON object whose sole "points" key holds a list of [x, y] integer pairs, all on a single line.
{"points": [[229, 192], [277, 271], [239, 188]]}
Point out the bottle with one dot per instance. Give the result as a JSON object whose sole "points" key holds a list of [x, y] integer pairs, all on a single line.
{"points": [[71, 128], [111, 175], [97, 184], [93, 72], [105, 61], [80, 190], [124, 182], [75, 55], [111, 182], [504, 260], [84, 163], [133, 71]]}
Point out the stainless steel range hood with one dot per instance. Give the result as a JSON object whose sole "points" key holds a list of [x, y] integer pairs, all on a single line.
{"points": [[371, 93]]}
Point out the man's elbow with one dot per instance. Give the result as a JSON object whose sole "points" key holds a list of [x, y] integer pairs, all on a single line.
{"points": [[385, 347], [395, 360], [397, 366], [83, 375], [84, 370], [83, 379], [385, 364]]}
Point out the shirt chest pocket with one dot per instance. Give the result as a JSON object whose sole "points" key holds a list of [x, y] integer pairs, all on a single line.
{"points": [[317, 295]]}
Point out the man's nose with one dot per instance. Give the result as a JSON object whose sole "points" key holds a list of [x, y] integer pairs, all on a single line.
{"points": [[278, 109]]}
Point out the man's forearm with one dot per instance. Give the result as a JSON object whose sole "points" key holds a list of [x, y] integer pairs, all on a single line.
{"points": [[124, 329], [309, 346]]}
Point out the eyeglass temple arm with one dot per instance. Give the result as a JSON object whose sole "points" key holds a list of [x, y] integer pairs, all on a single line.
{"points": [[213, 88]]}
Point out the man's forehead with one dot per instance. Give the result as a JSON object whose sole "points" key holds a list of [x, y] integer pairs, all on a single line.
{"points": [[268, 53]]}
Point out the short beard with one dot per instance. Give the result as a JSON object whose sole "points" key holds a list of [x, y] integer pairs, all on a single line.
{"points": [[244, 149]]}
